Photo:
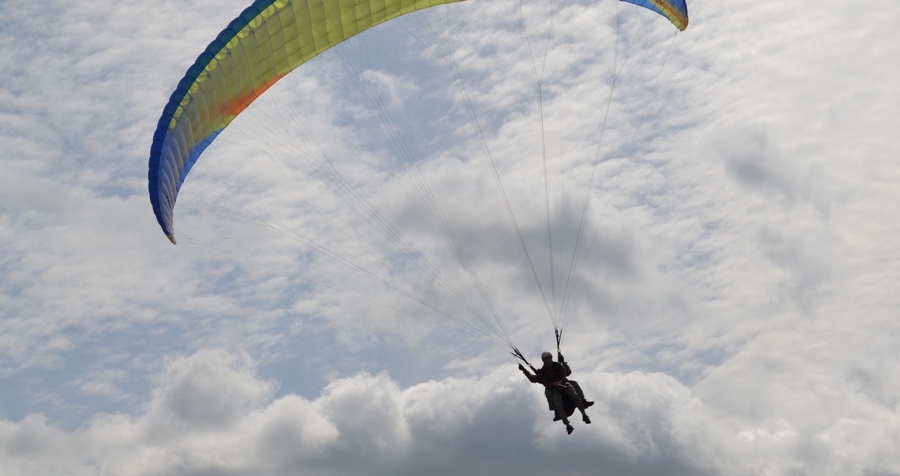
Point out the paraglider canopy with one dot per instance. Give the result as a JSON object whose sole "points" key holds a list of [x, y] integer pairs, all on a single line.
{"points": [[264, 43], [674, 10]]}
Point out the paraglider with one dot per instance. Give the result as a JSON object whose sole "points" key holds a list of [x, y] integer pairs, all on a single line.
{"points": [[262, 45], [563, 395]]}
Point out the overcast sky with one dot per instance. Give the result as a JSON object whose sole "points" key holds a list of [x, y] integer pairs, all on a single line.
{"points": [[734, 300]]}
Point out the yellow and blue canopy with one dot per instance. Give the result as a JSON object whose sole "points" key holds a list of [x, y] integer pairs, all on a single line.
{"points": [[267, 41], [675, 11]]}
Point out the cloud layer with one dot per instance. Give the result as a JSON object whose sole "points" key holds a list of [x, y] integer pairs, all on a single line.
{"points": [[212, 414]]}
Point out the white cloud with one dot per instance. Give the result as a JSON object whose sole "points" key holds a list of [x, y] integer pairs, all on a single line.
{"points": [[212, 414]]}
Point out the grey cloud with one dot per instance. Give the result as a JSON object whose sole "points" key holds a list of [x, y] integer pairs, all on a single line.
{"points": [[806, 255], [202, 393], [755, 162]]}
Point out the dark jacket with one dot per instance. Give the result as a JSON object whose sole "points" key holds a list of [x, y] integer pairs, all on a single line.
{"points": [[555, 372]]}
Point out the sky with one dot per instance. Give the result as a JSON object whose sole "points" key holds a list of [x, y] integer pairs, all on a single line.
{"points": [[732, 305]]}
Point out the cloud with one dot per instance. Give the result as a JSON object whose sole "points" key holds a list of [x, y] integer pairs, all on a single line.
{"points": [[212, 413], [755, 165], [755, 162]]}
